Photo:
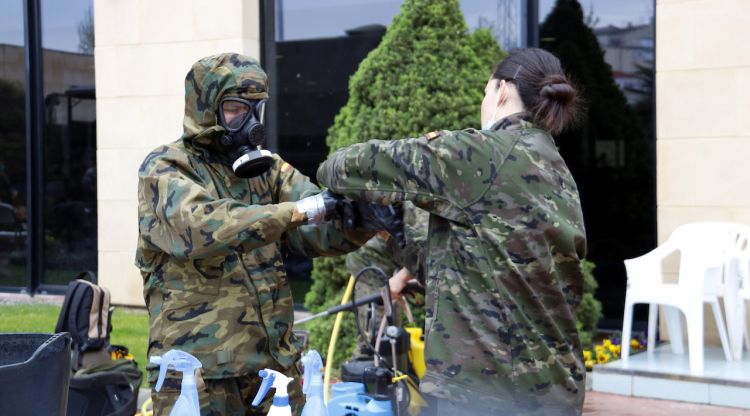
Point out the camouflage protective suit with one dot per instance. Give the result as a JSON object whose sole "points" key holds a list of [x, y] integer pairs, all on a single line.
{"points": [[506, 236], [209, 247]]}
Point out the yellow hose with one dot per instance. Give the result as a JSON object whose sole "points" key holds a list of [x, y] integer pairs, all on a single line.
{"points": [[332, 342]]}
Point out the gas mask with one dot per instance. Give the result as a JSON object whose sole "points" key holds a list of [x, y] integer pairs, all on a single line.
{"points": [[243, 121]]}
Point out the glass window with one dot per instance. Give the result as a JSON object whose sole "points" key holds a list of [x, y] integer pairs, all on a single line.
{"points": [[12, 146], [69, 140], [319, 45], [608, 48]]}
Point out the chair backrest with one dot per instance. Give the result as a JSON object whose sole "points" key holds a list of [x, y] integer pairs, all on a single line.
{"points": [[705, 252]]}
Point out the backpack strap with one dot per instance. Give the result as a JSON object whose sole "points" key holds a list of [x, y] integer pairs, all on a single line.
{"points": [[87, 274], [76, 306], [65, 311]]}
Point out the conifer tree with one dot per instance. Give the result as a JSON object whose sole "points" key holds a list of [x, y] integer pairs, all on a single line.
{"points": [[428, 73]]}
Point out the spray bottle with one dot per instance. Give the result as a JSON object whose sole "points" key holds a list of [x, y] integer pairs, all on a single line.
{"points": [[187, 404], [313, 385], [271, 378]]}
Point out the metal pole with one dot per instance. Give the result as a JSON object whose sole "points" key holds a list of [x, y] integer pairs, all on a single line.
{"points": [[268, 61], [34, 144], [532, 23]]}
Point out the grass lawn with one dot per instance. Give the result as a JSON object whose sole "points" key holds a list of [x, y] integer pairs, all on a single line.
{"points": [[129, 326]]}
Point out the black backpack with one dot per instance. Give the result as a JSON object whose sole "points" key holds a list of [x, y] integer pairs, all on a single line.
{"points": [[85, 314], [109, 389], [100, 384]]}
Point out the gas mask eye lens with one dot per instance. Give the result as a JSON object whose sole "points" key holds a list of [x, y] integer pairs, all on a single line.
{"points": [[234, 113]]}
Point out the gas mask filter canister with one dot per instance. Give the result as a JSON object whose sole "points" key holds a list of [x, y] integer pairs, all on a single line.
{"points": [[243, 121]]}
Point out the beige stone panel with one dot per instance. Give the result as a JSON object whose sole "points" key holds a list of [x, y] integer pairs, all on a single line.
{"points": [[106, 74], [743, 99], [117, 173], [118, 224], [721, 34], [703, 172], [670, 217], [118, 273], [221, 19], [138, 122], [251, 47], [251, 20], [697, 103], [160, 69], [148, 70], [675, 35], [114, 22], [166, 21]]}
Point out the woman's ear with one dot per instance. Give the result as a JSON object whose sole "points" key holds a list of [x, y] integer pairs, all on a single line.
{"points": [[504, 93]]}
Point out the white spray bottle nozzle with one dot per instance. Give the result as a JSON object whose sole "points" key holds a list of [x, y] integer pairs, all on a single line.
{"points": [[313, 365], [276, 380], [179, 361]]}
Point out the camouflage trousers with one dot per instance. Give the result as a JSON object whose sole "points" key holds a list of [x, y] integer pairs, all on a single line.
{"points": [[229, 396]]}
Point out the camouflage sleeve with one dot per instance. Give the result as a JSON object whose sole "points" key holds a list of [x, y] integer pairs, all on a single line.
{"points": [[181, 218], [413, 256], [442, 175], [376, 252], [328, 239]]}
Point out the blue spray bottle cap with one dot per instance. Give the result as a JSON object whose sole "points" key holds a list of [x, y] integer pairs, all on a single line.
{"points": [[177, 360], [187, 403], [272, 378], [313, 365]]}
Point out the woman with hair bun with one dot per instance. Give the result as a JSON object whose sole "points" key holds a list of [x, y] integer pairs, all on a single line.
{"points": [[506, 238]]}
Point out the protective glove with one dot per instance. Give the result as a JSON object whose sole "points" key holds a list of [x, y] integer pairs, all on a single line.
{"points": [[374, 217], [319, 207]]}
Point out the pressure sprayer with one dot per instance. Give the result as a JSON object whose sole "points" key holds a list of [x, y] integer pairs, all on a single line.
{"points": [[313, 385], [187, 404], [271, 378]]}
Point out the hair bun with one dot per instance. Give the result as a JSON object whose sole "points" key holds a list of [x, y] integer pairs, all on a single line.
{"points": [[558, 88]]}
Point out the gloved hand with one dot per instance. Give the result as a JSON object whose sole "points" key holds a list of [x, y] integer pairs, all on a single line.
{"points": [[319, 207], [374, 217]]}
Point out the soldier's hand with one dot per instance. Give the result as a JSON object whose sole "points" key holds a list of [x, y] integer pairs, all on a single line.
{"points": [[318, 208], [398, 283]]}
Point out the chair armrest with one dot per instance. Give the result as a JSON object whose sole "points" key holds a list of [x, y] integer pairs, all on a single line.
{"points": [[648, 267]]}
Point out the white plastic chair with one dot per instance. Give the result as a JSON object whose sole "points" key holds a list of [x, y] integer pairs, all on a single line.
{"points": [[734, 303], [705, 248]]}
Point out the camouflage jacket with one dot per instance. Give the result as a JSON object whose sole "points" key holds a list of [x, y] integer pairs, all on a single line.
{"points": [[209, 242], [504, 280], [384, 253]]}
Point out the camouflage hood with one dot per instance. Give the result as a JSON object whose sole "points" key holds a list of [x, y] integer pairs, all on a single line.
{"points": [[211, 79]]}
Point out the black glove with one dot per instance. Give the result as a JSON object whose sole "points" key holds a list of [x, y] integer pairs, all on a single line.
{"points": [[374, 217]]}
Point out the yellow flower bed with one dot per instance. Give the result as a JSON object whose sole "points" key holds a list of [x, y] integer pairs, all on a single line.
{"points": [[607, 350]]}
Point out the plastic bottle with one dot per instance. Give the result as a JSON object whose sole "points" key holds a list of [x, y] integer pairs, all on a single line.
{"points": [[271, 378], [313, 385], [187, 404]]}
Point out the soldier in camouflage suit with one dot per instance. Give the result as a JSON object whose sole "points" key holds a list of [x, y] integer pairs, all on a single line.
{"points": [[506, 237], [209, 250]]}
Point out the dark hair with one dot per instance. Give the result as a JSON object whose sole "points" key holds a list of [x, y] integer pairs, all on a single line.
{"points": [[545, 90]]}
